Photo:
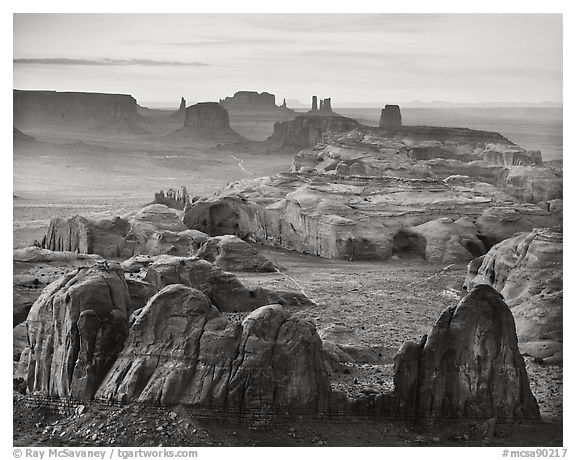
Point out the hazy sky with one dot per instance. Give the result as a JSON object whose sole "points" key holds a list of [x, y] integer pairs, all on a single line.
{"points": [[352, 58]]}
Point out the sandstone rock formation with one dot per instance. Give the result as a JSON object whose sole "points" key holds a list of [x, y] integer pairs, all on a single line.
{"points": [[446, 240], [534, 184], [469, 366], [196, 356], [33, 109], [223, 289], [180, 114], [307, 130], [390, 117], [231, 253], [527, 270], [253, 102], [176, 199], [76, 329], [345, 217], [206, 121], [155, 229]]}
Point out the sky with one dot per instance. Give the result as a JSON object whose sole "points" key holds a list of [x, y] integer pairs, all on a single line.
{"points": [[363, 58]]}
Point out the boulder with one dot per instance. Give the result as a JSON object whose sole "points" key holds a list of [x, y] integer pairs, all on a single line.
{"points": [[527, 270], [534, 184], [223, 289], [231, 253], [76, 329], [449, 241], [195, 356], [469, 366], [498, 223], [343, 343]]}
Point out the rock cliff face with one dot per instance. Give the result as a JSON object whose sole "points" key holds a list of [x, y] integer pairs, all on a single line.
{"points": [[39, 108], [341, 217], [527, 270], [469, 366], [206, 121], [391, 117], [196, 356], [76, 329], [307, 130], [254, 103]]}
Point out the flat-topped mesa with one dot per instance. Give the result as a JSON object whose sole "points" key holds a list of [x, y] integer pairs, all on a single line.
{"points": [[34, 108], [391, 118], [207, 121], [307, 130], [253, 102]]}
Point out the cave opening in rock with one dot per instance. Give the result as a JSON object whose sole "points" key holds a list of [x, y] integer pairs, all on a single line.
{"points": [[409, 245]]}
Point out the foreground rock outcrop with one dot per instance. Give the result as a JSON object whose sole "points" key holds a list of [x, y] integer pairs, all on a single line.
{"points": [[527, 270], [469, 366], [267, 362], [76, 329]]}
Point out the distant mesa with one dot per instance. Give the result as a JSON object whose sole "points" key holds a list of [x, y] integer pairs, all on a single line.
{"points": [[254, 102], [37, 109], [207, 121], [391, 118]]}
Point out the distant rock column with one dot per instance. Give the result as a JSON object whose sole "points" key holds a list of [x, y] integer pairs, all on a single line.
{"points": [[327, 106], [182, 104], [391, 117], [314, 104], [321, 105]]}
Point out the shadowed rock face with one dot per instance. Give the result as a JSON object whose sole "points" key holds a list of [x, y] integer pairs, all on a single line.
{"points": [[527, 270], [76, 329], [199, 357], [469, 365], [37, 108]]}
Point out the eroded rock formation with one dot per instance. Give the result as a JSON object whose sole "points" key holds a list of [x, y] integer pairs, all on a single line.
{"points": [[206, 121], [76, 329], [345, 217], [223, 289], [231, 253], [391, 118], [155, 229], [527, 270], [269, 361], [307, 130], [176, 199], [254, 103], [469, 366]]}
